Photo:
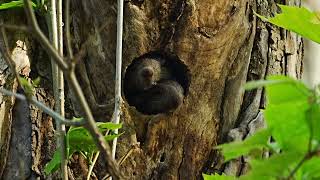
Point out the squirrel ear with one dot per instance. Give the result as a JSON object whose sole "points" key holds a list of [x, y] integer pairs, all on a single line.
{"points": [[161, 60]]}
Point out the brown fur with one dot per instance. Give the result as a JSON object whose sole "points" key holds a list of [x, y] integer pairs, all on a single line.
{"points": [[150, 87]]}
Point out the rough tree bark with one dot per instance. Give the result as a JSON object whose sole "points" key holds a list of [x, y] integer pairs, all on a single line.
{"points": [[222, 44]]}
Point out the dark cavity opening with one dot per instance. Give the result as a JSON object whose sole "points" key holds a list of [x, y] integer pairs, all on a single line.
{"points": [[163, 157], [156, 82]]}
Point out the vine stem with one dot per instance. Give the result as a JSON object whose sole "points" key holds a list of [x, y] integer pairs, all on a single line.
{"points": [[118, 99], [95, 158], [308, 156], [44, 108], [69, 72], [61, 103], [55, 34]]}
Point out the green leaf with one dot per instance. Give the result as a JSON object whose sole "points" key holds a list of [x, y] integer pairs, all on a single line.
{"points": [[111, 137], [289, 126], [299, 20], [309, 169], [260, 83], [80, 140], [256, 142], [108, 125], [286, 113], [54, 164], [278, 165], [36, 82], [288, 92], [217, 177], [14, 4], [28, 88], [313, 121]]}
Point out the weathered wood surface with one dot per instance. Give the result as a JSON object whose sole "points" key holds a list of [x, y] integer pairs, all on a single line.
{"points": [[221, 43]]}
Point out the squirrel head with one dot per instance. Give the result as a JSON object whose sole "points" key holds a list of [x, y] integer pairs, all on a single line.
{"points": [[149, 72]]}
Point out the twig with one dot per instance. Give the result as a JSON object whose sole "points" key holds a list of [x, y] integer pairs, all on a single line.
{"points": [[42, 38], [122, 159], [95, 158], [111, 165], [59, 95], [15, 27], [67, 29], [104, 148], [118, 99], [44, 108], [57, 81], [125, 157], [305, 158]]}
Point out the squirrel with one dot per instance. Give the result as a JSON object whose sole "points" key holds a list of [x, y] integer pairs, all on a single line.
{"points": [[150, 86]]}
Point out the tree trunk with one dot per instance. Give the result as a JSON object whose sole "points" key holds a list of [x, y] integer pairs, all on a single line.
{"points": [[221, 43]]}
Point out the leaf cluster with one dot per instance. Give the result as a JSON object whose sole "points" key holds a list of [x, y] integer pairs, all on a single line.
{"points": [[293, 121], [78, 139], [36, 4], [292, 116]]}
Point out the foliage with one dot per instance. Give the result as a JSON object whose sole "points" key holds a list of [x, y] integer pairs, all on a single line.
{"points": [[292, 117], [28, 86], [79, 140], [14, 4], [19, 4], [299, 20]]}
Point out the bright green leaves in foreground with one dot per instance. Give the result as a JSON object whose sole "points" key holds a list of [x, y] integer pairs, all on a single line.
{"points": [[293, 121], [14, 4], [288, 104], [299, 20], [254, 143], [54, 164], [80, 140], [292, 116]]}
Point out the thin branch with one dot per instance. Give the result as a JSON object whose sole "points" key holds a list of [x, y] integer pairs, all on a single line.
{"points": [[95, 158], [16, 95], [123, 159], [42, 38], [44, 108], [57, 116], [118, 99], [104, 148], [305, 158], [60, 27], [57, 82], [67, 29], [59, 91], [90, 125], [15, 27]]}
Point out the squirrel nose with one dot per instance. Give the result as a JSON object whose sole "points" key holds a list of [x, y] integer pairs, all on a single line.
{"points": [[147, 72]]}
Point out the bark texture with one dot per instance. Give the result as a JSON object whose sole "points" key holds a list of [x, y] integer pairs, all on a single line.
{"points": [[27, 134], [222, 44]]}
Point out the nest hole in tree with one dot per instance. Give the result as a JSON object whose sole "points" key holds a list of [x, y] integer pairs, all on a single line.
{"points": [[163, 157], [156, 82]]}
